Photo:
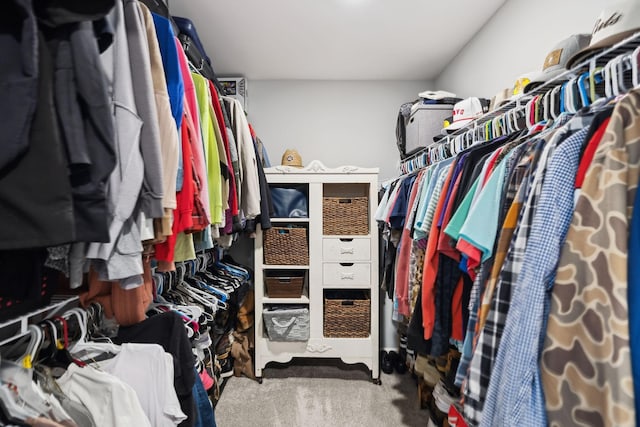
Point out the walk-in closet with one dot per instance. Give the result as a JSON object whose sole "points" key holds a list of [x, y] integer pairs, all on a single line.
{"points": [[295, 213]]}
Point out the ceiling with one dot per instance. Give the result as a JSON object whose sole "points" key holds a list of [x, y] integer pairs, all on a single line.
{"points": [[335, 39]]}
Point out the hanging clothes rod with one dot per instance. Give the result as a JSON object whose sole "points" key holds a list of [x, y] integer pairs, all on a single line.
{"points": [[18, 327], [478, 129]]}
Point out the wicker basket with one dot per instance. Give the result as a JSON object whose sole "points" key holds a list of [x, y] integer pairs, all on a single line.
{"points": [[285, 285], [286, 246], [347, 314], [342, 215]]}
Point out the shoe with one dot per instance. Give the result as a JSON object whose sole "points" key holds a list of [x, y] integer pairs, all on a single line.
{"points": [[386, 362], [401, 361], [226, 367]]}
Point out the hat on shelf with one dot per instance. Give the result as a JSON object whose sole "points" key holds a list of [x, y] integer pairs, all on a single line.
{"points": [[520, 83], [464, 112], [291, 158], [556, 61], [616, 22], [501, 98], [436, 95]]}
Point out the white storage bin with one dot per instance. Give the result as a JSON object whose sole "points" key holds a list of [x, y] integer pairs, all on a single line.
{"points": [[287, 323]]}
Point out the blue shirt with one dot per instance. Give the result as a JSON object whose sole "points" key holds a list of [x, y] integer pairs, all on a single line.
{"points": [[173, 76], [515, 395]]}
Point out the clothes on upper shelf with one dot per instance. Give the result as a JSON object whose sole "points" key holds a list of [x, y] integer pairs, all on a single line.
{"points": [[513, 252], [136, 152]]}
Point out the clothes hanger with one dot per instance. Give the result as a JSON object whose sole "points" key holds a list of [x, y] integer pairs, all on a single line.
{"points": [[584, 90], [546, 114], [623, 66], [555, 102], [634, 67], [606, 74]]}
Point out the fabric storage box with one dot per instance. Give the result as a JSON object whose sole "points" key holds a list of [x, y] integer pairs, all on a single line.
{"points": [[286, 246], [345, 216], [290, 202], [425, 122], [347, 314], [287, 323], [284, 284]]}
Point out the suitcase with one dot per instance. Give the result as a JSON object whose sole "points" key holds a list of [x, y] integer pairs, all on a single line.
{"points": [[425, 122]]}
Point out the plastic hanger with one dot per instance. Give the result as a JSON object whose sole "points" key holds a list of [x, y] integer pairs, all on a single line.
{"points": [[529, 113], [613, 75], [553, 102], [623, 65], [583, 89], [635, 77], [563, 89], [606, 74]]}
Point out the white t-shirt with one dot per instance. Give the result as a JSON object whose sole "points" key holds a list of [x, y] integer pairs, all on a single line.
{"points": [[110, 401], [148, 369]]}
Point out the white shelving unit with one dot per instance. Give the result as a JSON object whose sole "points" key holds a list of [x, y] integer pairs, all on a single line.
{"points": [[336, 262]]}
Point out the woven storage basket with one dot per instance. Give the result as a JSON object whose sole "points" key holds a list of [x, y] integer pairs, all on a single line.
{"points": [[281, 286], [347, 315], [286, 246], [290, 324], [345, 215]]}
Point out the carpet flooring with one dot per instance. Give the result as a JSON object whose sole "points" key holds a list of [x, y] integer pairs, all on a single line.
{"points": [[320, 393]]}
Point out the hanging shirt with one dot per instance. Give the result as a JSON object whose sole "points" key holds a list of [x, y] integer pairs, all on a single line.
{"points": [[481, 225], [404, 253], [593, 344], [249, 186], [111, 402], [183, 215], [212, 159], [169, 140], [431, 261], [149, 372], [173, 76], [515, 396], [152, 194], [425, 213], [434, 198], [197, 150]]}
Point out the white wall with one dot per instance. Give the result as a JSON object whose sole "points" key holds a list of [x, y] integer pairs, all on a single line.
{"points": [[336, 122], [516, 41]]}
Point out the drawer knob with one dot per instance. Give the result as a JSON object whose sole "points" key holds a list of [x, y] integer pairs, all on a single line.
{"points": [[346, 251], [346, 276]]}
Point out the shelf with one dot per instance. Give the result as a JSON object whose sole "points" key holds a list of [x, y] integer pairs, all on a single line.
{"points": [[302, 300], [291, 220], [284, 267]]}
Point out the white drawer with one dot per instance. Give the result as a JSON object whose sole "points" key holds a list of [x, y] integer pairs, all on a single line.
{"points": [[347, 275], [356, 249]]}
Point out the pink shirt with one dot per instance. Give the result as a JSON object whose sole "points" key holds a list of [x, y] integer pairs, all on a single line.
{"points": [[197, 147]]}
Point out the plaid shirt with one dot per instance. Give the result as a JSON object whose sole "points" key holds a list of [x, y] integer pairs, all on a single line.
{"points": [[491, 332], [515, 396]]}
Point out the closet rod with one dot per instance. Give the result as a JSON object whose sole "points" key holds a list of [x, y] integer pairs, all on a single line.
{"points": [[18, 327], [587, 65]]}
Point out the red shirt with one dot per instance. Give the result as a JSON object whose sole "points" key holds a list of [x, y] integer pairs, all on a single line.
{"points": [[590, 151]]}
